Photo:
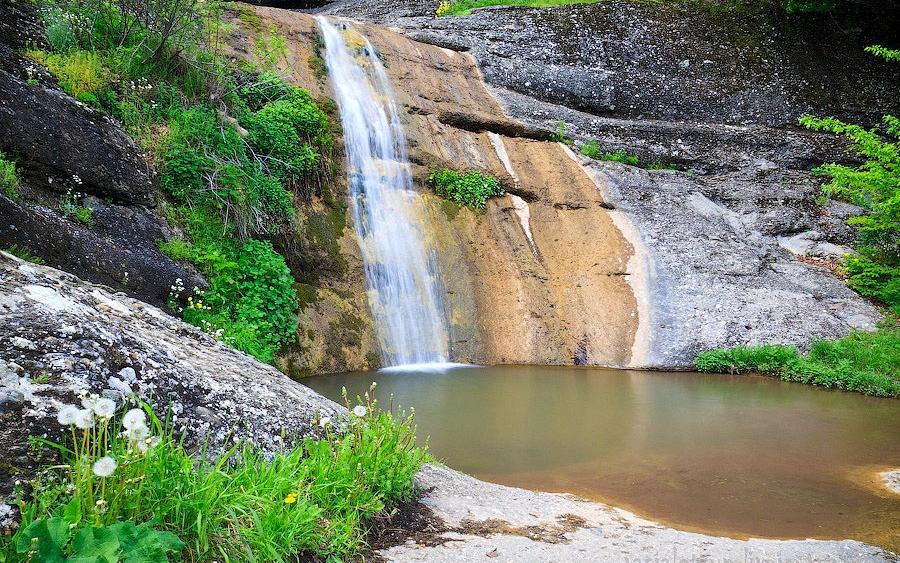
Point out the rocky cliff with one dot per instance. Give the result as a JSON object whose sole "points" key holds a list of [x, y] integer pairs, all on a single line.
{"points": [[609, 264]]}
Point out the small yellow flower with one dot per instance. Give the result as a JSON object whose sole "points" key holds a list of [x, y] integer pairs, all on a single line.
{"points": [[290, 499]]}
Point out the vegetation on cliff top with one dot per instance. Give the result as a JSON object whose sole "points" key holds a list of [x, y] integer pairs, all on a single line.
{"points": [[234, 148], [465, 7], [130, 490]]}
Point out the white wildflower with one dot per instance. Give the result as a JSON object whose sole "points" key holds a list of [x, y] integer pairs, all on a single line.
{"points": [[67, 415], [90, 401], [104, 467], [134, 418], [359, 411], [138, 433], [84, 419], [324, 421], [105, 408]]}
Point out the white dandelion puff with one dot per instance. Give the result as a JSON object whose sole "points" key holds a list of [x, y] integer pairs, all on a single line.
{"points": [[67, 415], [324, 421], [134, 418], [84, 419], [105, 408], [104, 466], [359, 411]]}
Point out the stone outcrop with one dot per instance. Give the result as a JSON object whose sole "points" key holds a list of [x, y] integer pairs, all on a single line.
{"points": [[484, 522], [60, 336]]}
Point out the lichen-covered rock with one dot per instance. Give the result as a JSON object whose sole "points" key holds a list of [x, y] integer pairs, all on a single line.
{"points": [[60, 336]]}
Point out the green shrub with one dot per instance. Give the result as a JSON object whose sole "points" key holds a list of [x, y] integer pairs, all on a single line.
{"points": [[867, 362], [131, 488], [472, 188], [874, 186], [9, 178], [814, 6], [70, 206]]}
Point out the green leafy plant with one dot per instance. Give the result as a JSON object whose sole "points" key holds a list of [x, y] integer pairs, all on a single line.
{"points": [[82, 74], [591, 149], [814, 6], [559, 136], [471, 188], [892, 55], [70, 207], [9, 178], [874, 186]]}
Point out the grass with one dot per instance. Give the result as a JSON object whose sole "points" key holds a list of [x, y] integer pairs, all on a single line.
{"points": [[24, 254], [866, 362], [591, 149], [9, 178], [316, 500], [472, 188], [465, 7]]}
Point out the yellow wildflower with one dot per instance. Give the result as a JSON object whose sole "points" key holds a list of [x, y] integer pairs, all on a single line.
{"points": [[290, 499]]}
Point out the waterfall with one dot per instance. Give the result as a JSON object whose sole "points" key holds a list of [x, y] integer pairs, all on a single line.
{"points": [[404, 288]]}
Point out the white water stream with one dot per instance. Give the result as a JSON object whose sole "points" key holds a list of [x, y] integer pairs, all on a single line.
{"points": [[404, 286]]}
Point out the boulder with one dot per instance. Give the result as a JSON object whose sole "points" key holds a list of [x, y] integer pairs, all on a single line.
{"points": [[61, 336], [61, 145]]}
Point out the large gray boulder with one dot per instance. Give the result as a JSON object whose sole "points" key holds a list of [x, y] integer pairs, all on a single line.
{"points": [[60, 336]]}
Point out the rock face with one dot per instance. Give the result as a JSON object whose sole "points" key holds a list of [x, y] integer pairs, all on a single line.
{"points": [[485, 522], [60, 146], [60, 336]]}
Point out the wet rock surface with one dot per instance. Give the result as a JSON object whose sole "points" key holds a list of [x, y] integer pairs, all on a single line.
{"points": [[60, 336], [478, 521], [720, 272]]}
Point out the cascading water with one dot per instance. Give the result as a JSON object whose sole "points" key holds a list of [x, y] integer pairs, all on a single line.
{"points": [[404, 287]]}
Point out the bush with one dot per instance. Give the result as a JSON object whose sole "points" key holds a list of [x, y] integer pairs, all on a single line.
{"points": [[867, 362], [130, 488], [9, 178], [874, 186], [472, 188]]}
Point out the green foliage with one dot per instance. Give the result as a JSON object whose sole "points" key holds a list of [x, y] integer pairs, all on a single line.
{"points": [[559, 136], [316, 499], [24, 254], [874, 186], [290, 130], [173, 92], [82, 74], [884, 52], [471, 188], [52, 541], [591, 149], [270, 49], [867, 362], [70, 207], [465, 7], [807, 6], [9, 178]]}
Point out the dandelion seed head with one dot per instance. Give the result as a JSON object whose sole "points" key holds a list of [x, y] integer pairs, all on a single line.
{"points": [[67, 415], [359, 411], [324, 421], [134, 419], [105, 408], [84, 419], [104, 467]]}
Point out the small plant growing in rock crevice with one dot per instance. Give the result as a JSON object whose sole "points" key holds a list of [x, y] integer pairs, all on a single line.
{"points": [[70, 207], [471, 188], [9, 178]]}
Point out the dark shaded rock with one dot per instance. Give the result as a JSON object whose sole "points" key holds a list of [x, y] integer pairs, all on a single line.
{"points": [[81, 337], [119, 251], [62, 144]]}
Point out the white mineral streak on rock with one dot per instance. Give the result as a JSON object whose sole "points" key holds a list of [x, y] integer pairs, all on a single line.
{"points": [[519, 205]]}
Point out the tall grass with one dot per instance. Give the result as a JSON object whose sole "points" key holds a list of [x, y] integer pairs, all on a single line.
{"points": [[867, 362]]}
